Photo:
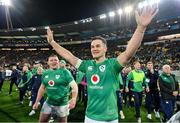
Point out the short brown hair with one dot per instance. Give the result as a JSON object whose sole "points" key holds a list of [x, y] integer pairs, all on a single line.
{"points": [[149, 62], [99, 38], [52, 55], [136, 62]]}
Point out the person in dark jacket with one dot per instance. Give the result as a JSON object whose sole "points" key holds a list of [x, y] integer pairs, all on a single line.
{"points": [[2, 77], [14, 78], [169, 90], [153, 96], [36, 82]]}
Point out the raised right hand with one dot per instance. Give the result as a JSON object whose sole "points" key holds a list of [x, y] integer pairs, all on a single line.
{"points": [[50, 36]]}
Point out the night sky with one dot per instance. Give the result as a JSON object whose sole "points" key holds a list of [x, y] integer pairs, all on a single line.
{"points": [[32, 13], [26, 13]]}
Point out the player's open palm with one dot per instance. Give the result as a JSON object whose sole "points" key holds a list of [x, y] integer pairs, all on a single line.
{"points": [[49, 36], [145, 15]]}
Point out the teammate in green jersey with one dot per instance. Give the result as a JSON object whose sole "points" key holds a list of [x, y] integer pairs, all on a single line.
{"points": [[101, 72], [135, 80], [56, 82]]}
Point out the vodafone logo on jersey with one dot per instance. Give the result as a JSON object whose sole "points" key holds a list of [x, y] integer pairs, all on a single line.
{"points": [[95, 79], [51, 83]]}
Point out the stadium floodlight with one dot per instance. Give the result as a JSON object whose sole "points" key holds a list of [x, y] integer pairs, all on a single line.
{"points": [[111, 14], [83, 21], [103, 16], [128, 9], [5, 2], [120, 11], [75, 22]]}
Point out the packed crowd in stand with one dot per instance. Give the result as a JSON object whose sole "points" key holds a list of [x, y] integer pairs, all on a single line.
{"points": [[160, 53]]}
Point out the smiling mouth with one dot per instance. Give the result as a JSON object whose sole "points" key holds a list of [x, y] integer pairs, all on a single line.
{"points": [[54, 65], [95, 52]]}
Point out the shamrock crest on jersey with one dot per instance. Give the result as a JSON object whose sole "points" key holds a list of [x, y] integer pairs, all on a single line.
{"points": [[57, 76], [102, 68], [95, 79], [51, 83]]}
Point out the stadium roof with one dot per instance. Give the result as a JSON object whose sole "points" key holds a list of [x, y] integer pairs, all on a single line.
{"points": [[27, 13]]}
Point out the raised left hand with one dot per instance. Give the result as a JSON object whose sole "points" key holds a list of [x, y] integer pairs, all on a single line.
{"points": [[145, 16]]}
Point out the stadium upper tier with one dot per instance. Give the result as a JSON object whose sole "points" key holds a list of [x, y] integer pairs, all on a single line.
{"points": [[83, 33], [116, 27]]}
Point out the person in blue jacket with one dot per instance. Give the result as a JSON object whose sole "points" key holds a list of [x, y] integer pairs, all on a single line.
{"points": [[36, 82]]}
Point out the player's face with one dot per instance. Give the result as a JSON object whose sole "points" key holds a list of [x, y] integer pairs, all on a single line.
{"points": [[39, 70], [150, 66], [14, 67], [98, 49], [166, 69], [137, 66], [25, 68], [53, 62]]}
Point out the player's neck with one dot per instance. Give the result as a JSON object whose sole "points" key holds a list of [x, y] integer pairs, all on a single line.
{"points": [[100, 59]]}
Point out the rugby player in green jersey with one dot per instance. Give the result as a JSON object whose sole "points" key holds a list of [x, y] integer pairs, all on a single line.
{"points": [[102, 73], [56, 82]]}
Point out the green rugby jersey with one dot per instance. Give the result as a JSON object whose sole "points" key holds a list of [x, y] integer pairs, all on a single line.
{"points": [[102, 82], [79, 77], [57, 86], [138, 78]]}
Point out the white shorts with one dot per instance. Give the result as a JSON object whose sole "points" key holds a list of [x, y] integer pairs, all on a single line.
{"points": [[88, 120], [60, 111]]}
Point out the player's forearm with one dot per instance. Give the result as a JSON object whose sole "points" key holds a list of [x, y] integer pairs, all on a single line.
{"points": [[74, 90], [67, 55], [135, 42], [40, 94]]}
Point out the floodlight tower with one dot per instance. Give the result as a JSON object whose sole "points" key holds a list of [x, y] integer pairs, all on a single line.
{"points": [[7, 4]]}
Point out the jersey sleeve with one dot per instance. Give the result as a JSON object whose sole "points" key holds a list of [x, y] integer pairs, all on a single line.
{"points": [[82, 66], [69, 78], [79, 77], [117, 67], [42, 78], [29, 76]]}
